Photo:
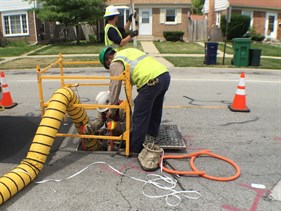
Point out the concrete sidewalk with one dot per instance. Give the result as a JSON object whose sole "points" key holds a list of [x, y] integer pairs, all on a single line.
{"points": [[147, 46]]}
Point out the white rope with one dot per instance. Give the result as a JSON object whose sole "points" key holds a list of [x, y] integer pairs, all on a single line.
{"points": [[151, 179]]}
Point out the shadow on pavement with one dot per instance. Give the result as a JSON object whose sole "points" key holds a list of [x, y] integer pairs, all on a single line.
{"points": [[16, 136]]}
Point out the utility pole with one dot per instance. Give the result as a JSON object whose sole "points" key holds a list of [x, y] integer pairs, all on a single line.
{"points": [[132, 8], [228, 19], [211, 15]]}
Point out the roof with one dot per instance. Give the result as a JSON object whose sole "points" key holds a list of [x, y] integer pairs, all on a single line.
{"points": [[260, 4], [219, 5], [266, 4]]}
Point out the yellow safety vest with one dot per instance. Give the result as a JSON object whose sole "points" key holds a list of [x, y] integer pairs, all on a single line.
{"points": [[142, 67], [107, 41]]}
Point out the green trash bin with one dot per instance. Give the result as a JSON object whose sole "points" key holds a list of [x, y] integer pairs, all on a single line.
{"points": [[241, 49], [255, 57]]}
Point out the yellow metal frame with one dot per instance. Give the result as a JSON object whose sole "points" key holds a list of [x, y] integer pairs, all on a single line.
{"points": [[125, 76]]}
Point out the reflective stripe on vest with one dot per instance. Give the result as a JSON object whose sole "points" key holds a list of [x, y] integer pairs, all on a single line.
{"points": [[107, 41], [142, 66], [132, 63]]}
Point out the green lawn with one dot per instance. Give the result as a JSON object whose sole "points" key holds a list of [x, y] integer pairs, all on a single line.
{"points": [[72, 48], [267, 49], [199, 62], [30, 63], [9, 51], [179, 48], [228, 48], [164, 48]]}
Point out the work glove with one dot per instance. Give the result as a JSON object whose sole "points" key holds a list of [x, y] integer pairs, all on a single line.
{"points": [[111, 125], [131, 17], [134, 33]]}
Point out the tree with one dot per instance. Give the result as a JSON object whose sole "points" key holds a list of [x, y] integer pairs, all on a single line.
{"points": [[197, 6], [237, 27], [71, 12]]}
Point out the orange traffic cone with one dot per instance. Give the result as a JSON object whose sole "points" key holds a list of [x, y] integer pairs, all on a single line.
{"points": [[239, 102], [6, 101]]}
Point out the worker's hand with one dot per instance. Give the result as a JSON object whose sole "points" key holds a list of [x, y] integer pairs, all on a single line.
{"points": [[111, 125], [131, 17], [134, 33], [108, 114]]}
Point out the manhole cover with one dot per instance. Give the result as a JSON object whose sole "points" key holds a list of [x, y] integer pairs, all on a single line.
{"points": [[169, 137]]}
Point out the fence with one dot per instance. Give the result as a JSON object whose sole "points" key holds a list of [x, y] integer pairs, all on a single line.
{"points": [[126, 104], [198, 31]]}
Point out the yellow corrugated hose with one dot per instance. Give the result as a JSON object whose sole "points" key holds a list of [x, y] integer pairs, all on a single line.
{"points": [[61, 102]]}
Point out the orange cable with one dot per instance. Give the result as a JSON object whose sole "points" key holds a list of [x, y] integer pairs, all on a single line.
{"points": [[195, 171]]}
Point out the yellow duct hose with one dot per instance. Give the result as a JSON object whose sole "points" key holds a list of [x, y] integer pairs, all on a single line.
{"points": [[61, 102]]}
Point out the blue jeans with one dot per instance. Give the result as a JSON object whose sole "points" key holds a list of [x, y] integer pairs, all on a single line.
{"points": [[148, 106]]}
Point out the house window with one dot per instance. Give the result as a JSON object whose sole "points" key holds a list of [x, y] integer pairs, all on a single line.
{"points": [[271, 20], [170, 16], [145, 17], [218, 19], [250, 14], [15, 25]]}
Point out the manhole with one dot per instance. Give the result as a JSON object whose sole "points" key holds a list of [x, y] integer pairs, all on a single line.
{"points": [[169, 137]]}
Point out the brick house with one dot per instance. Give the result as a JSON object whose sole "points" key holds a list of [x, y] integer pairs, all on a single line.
{"points": [[265, 15], [154, 17], [18, 22]]}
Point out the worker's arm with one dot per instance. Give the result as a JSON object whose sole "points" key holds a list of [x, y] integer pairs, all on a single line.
{"points": [[115, 37], [127, 25], [116, 68], [129, 21], [129, 37]]}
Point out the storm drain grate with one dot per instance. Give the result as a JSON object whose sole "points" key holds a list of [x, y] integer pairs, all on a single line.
{"points": [[169, 137]]}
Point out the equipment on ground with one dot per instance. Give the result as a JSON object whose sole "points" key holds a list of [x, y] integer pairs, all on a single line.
{"points": [[149, 156], [239, 101], [6, 101]]}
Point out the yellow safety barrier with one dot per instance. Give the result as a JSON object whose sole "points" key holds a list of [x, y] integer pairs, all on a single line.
{"points": [[63, 101]]}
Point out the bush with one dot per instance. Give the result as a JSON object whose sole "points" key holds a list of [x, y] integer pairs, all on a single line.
{"points": [[92, 38], [4, 42], [251, 33], [15, 43], [237, 27], [173, 35], [258, 37]]}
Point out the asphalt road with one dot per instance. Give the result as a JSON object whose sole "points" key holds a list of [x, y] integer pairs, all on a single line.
{"points": [[197, 103]]}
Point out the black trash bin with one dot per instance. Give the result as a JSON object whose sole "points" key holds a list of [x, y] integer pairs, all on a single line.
{"points": [[211, 52], [255, 57]]}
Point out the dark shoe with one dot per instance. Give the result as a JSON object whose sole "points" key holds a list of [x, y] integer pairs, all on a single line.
{"points": [[131, 154]]}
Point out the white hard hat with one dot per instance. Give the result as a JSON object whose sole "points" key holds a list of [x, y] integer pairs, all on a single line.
{"points": [[111, 10], [102, 99]]}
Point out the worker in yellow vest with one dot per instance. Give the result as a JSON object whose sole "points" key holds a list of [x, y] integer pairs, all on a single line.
{"points": [[112, 34], [152, 80]]}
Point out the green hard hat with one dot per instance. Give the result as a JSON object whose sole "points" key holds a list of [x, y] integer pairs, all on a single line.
{"points": [[102, 55]]}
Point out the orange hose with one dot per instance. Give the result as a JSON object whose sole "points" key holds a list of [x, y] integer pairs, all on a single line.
{"points": [[195, 171], [171, 171], [221, 158]]}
